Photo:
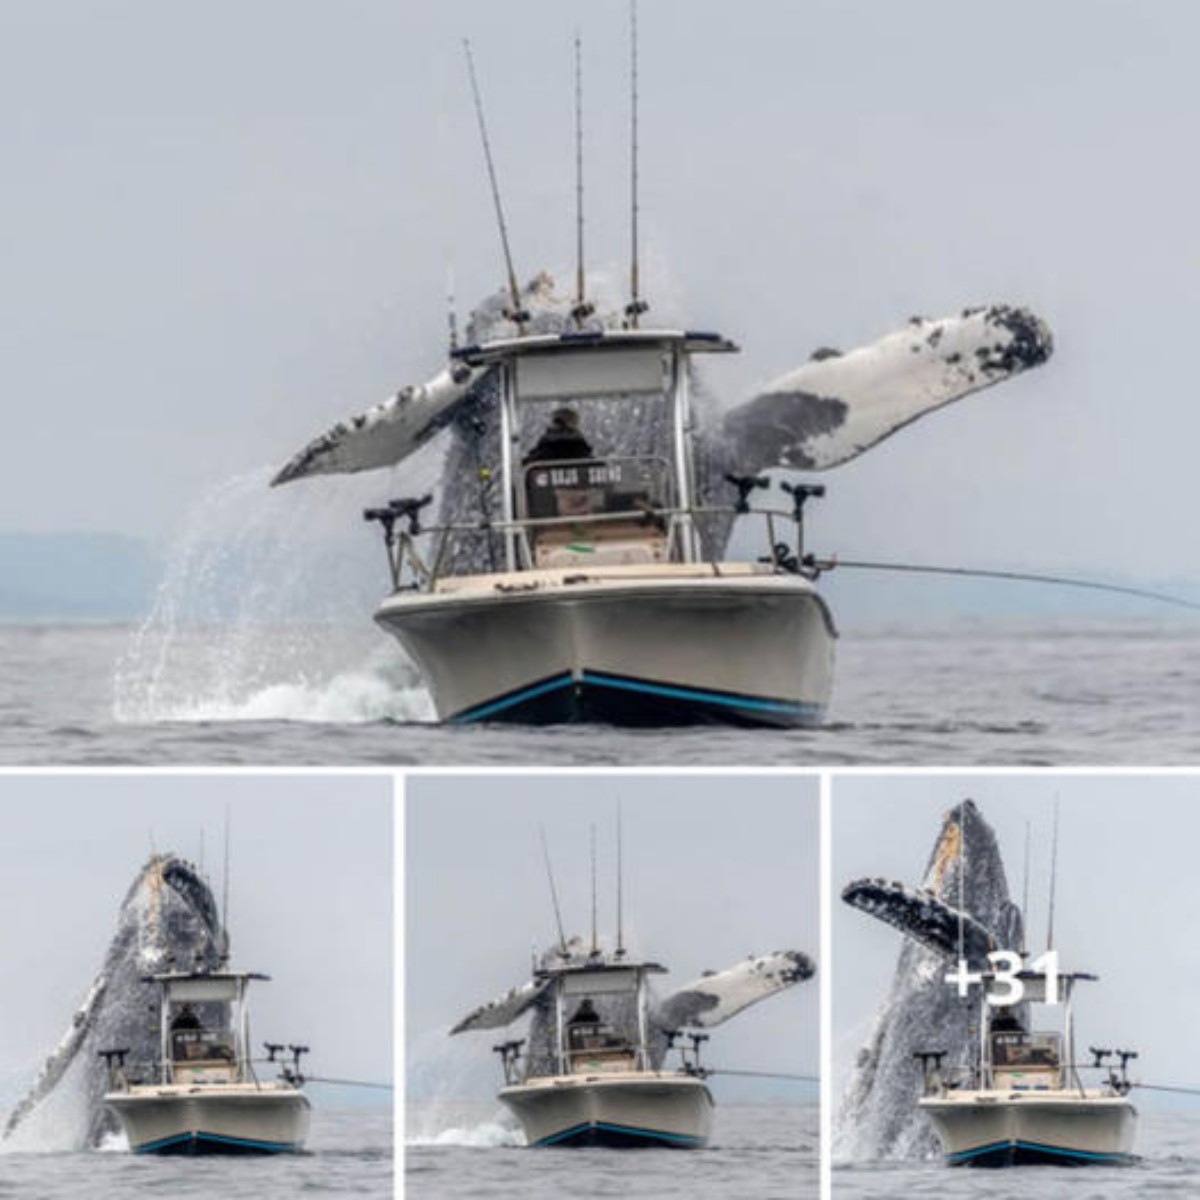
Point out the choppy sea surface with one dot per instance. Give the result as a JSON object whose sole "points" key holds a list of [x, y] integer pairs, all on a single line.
{"points": [[760, 1152], [1169, 1166], [999, 693], [348, 1154]]}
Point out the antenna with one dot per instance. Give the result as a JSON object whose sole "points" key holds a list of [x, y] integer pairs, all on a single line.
{"points": [[962, 876], [620, 895], [582, 308], [202, 851], [1053, 879], [1025, 897], [562, 937], [636, 305], [225, 882], [518, 315], [595, 943]]}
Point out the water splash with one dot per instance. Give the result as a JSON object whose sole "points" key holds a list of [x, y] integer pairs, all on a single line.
{"points": [[264, 610], [450, 1082]]}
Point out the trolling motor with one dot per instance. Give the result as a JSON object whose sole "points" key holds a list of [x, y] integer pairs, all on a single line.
{"points": [[510, 1053], [931, 1067], [1123, 1086], [114, 1062], [291, 1071], [407, 508], [746, 484], [801, 494]]}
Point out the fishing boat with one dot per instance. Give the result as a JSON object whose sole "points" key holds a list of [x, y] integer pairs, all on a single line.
{"points": [[203, 1095], [603, 607], [602, 1088], [599, 585], [1023, 1100], [593, 1069]]}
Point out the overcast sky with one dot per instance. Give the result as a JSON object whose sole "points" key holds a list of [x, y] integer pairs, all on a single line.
{"points": [[1127, 893], [225, 226], [310, 903], [716, 868]]}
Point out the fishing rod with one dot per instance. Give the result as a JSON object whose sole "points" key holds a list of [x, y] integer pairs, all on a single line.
{"points": [[829, 564], [518, 315]]}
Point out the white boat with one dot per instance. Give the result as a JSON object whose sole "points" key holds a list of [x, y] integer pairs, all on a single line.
{"points": [[1024, 1100], [203, 1095], [604, 607], [603, 1088]]}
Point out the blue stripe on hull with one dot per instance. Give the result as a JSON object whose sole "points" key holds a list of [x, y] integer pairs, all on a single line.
{"points": [[1019, 1153], [602, 1133], [622, 700], [213, 1143]]}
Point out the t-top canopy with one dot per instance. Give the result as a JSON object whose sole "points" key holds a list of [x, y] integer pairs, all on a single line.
{"points": [[502, 349]]}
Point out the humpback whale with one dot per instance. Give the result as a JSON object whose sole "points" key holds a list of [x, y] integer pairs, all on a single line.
{"points": [[964, 886], [824, 413], [702, 1003], [167, 921]]}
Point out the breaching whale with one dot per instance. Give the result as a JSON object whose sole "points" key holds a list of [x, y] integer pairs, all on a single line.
{"points": [[702, 1003], [878, 1117], [820, 415], [168, 921]]}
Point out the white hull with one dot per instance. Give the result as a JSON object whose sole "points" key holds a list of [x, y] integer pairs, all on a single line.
{"points": [[630, 645], [643, 1108], [1005, 1128], [215, 1119]]}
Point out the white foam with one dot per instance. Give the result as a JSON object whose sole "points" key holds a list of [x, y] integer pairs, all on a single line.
{"points": [[486, 1134]]}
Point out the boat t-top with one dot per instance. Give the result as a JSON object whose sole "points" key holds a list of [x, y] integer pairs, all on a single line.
{"points": [[1023, 1099], [603, 605], [203, 1094], [598, 1085]]}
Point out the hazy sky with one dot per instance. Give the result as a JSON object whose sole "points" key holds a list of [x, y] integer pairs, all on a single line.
{"points": [[716, 868], [310, 903], [225, 226], [1127, 892]]}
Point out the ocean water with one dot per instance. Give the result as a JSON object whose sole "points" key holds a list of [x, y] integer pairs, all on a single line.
{"points": [[1044, 692], [757, 1151], [348, 1154], [1169, 1166]]}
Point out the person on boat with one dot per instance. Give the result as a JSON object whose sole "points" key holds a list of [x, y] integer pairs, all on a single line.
{"points": [[185, 1018], [562, 439]]}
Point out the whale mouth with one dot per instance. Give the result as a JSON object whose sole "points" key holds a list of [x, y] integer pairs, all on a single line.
{"points": [[187, 883]]}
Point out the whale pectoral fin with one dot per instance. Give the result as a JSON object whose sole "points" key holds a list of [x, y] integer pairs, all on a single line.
{"points": [[837, 406], [921, 916], [386, 434], [504, 1010], [713, 999], [55, 1067]]}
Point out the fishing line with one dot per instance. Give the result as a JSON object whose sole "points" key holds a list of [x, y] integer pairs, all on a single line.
{"points": [[766, 1075], [1016, 576], [1159, 1087], [363, 1083]]}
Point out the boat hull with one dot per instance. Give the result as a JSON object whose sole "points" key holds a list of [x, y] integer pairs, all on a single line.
{"points": [[635, 1111], [245, 1121], [664, 650], [1064, 1130]]}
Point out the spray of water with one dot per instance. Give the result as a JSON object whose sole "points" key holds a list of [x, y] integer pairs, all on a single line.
{"points": [[447, 1079], [264, 611]]}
